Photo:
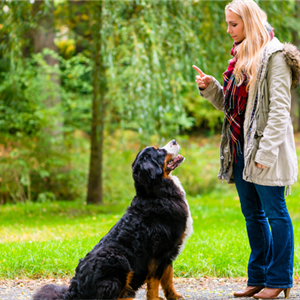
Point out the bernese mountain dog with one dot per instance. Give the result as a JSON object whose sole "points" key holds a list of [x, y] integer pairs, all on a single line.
{"points": [[142, 245]]}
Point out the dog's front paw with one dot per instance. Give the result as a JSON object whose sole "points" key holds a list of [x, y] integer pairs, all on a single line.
{"points": [[175, 297]]}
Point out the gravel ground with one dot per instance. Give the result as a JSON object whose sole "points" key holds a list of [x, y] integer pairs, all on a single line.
{"points": [[190, 288]]}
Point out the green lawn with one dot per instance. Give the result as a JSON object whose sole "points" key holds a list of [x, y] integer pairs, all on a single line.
{"points": [[46, 240]]}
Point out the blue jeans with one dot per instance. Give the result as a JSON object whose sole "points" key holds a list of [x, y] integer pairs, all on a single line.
{"points": [[272, 251]]}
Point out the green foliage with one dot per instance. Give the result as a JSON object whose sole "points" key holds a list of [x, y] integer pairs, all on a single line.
{"points": [[44, 169], [76, 92], [16, 108], [150, 61], [66, 48], [26, 110], [148, 49], [40, 170]]}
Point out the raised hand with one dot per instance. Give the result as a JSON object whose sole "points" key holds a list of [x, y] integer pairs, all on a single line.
{"points": [[202, 79]]}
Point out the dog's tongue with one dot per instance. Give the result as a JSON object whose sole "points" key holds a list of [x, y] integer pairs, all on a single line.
{"points": [[173, 164], [178, 158]]}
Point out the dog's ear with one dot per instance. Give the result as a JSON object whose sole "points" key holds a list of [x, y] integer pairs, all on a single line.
{"points": [[151, 169], [146, 171]]}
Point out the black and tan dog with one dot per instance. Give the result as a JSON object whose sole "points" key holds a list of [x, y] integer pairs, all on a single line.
{"points": [[141, 246]]}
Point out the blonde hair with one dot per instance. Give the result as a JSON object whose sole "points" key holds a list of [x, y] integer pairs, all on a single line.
{"points": [[256, 38]]}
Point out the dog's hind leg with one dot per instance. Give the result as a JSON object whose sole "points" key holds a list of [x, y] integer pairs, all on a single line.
{"points": [[127, 292], [109, 289], [167, 284]]}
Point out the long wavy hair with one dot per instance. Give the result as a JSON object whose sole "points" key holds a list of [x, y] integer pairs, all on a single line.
{"points": [[256, 38]]}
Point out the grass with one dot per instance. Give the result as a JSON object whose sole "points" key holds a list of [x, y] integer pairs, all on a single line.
{"points": [[46, 240], [40, 240]]}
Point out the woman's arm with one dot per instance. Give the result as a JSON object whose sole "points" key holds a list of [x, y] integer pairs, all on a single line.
{"points": [[279, 81], [210, 89], [214, 94]]}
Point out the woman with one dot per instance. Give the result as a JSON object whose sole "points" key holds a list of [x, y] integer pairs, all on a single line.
{"points": [[257, 149]]}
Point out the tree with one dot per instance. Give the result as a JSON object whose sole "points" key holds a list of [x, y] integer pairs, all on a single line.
{"points": [[95, 188], [43, 34]]}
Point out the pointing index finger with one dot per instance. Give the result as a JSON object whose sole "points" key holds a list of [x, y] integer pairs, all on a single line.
{"points": [[199, 71]]}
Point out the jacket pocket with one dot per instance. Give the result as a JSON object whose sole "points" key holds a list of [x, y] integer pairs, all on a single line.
{"points": [[251, 169]]}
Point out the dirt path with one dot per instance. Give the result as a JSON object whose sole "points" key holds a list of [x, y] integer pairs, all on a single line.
{"points": [[190, 288]]}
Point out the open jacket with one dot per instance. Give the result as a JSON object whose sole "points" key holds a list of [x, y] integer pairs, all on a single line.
{"points": [[268, 130]]}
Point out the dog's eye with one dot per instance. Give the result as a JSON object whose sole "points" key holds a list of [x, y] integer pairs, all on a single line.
{"points": [[161, 152]]}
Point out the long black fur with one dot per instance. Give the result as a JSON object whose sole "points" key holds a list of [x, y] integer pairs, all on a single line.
{"points": [[150, 230]]}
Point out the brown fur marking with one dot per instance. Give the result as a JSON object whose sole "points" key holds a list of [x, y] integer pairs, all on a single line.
{"points": [[167, 284], [127, 288], [180, 242], [152, 289], [152, 282], [168, 157]]}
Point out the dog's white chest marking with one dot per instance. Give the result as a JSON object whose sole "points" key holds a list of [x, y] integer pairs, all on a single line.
{"points": [[189, 221]]}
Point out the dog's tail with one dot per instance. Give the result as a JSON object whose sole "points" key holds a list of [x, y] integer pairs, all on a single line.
{"points": [[108, 289], [50, 292]]}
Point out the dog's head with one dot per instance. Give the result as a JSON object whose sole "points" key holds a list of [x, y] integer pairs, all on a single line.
{"points": [[152, 164]]}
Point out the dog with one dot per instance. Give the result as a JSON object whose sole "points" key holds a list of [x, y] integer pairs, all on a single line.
{"points": [[142, 245]]}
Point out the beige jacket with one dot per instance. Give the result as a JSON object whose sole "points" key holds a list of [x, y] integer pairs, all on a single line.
{"points": [[268, 131]]}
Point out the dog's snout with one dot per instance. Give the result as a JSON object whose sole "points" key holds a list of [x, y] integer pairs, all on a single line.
{"points": [[172, 147]]}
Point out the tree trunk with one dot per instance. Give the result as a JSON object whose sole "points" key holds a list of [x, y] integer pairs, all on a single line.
{"points": [[295, 107], [43, 35], [95, 190]]}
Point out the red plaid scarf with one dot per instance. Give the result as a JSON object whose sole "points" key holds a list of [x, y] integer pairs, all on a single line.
{"points": [[235, 100]]}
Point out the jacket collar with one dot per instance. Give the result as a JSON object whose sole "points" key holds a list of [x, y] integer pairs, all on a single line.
{"points": [[273, 46]]}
